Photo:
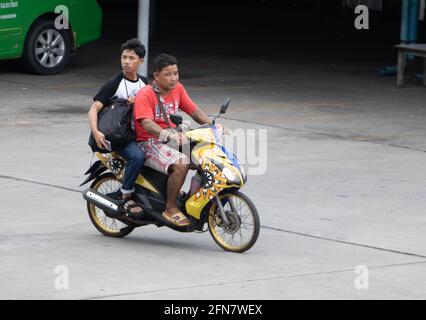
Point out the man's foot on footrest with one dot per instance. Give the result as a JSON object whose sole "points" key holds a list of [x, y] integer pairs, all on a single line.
{"points": [[177, 218]]}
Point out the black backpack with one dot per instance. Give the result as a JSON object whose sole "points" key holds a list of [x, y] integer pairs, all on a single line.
{"points": [[115, 122]]}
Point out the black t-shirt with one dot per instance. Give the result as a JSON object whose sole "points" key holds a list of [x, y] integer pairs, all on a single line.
{"points": [[119, 87]]}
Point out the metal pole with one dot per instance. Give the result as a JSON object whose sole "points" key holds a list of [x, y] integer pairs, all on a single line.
{"points": [[422, 10], [405, 20], [413, 23], [143, 32]]}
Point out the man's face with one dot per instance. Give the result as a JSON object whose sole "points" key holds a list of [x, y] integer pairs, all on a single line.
{"points": [[130, 61], [167, 78]]}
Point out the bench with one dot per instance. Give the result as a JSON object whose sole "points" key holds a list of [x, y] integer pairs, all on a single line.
{"points": [[418, 50]]}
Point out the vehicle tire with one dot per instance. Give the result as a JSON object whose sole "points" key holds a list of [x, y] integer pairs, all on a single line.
{"points": [[238, 208], [104, 184], [47, 49]]}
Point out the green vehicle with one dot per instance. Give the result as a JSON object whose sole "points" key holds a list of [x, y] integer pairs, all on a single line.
{"points": [[43, 33]]}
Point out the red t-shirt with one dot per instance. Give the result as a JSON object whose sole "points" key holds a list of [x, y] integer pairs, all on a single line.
{"points": [[146, 107]]}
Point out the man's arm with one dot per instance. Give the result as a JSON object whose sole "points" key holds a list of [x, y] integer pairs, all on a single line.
{"points": [[200, 117], [151, 127], [191, 109]]}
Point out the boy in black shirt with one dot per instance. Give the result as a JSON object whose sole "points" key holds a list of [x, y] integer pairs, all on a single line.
{"points": [[124, 85]]}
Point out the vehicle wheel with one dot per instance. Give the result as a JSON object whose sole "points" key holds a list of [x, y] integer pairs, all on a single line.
{"points": [[244, 229], [104, 184], [47, 49]]}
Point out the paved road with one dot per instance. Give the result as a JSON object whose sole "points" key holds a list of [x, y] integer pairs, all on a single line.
{"points": [[343, 188]]}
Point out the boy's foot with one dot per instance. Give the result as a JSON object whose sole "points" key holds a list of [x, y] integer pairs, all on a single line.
{"points": [[131, 206]]}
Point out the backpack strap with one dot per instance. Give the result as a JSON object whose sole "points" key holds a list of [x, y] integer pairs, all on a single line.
{"points": [[160, 102]]}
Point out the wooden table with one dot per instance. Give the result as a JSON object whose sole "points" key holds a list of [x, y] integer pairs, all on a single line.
{"points": [[418, 50]]}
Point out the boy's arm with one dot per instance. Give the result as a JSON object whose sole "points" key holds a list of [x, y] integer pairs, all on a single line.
{"points": [[93, 122]]}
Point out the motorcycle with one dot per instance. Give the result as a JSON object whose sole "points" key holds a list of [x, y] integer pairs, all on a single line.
{"points": [[213, 198]]}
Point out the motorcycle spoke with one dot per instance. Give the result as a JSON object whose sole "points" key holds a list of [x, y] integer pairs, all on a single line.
{"points": [[114, 224], [222, 233], [232, 240], [243, 219], [241, 235], [245, 226]]}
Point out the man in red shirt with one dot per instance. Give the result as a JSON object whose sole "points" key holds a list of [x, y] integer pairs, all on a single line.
{"points": [[152, 129]]}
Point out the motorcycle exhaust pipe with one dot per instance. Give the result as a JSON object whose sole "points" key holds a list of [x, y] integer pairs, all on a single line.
{"points": [[101, 201]]}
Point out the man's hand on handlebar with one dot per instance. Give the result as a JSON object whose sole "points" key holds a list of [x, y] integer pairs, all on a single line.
{"points": [[167, 136], [179, 138], [223, 130]]}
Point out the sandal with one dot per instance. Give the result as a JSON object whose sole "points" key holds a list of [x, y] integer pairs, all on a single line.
{"points": [[129, 204], [178, 219]]}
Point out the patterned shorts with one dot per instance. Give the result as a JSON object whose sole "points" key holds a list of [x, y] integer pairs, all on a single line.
{"points": [[160, 156]]}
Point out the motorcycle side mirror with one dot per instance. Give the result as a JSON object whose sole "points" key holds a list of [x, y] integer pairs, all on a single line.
{"points": [[224, 106], [176, 119], [222, 110]]}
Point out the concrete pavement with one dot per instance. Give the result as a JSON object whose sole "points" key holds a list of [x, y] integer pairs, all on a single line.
{"points": [[344, 187]]}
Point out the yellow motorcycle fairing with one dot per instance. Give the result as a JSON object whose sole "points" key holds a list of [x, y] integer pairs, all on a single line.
{"points": [[109, 160], [205, 135], [206, 156]]}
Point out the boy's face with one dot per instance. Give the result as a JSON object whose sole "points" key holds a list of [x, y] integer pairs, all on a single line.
{"points": [[130, 61], [168, 77]]}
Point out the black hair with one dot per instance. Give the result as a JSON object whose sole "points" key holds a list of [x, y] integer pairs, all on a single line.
{"points": [[163, 60], [136, 46]]}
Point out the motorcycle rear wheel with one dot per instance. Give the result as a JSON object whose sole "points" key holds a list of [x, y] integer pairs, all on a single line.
{"points": [[243, 214], [104, 184]]}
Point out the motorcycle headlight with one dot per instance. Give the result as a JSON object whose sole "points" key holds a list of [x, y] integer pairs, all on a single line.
{"points": [[231, 176], [243, 172]]}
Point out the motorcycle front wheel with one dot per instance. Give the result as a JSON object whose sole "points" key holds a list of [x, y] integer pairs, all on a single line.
{"points": [[105, 184], [244, 227]]}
